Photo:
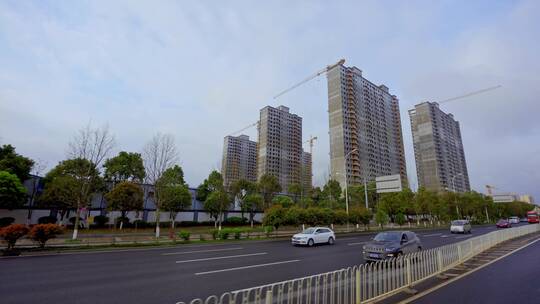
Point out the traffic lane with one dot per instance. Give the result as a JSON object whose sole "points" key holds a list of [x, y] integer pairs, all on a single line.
{"points": [[135, 272], [513, 279]]}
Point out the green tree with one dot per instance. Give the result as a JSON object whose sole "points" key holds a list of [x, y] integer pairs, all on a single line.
{"points": [[216, 203], [125, 197], [274, 216], [400, 219], [252, 202], [126, 166], [174, 192], [332, 192], [381, 217], [283, 200], [240, 189], [295, 190], [214, 182], [357, 196], [71, 184], [317, 195], [15, 163], [268, 185], [12, 193], [360, 215]]}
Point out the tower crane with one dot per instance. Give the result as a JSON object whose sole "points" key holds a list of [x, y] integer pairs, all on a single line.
{"points": [[311, 140], [470, 94], [319, 73], [244, 128]]}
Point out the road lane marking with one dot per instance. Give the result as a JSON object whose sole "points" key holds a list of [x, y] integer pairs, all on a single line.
{"points": [[246, 267], [222, 257], [445, 236], [359, 243], [435, 234], [202, 251]]}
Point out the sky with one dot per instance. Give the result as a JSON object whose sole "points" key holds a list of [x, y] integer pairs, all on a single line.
{"points": [[201, 70]]}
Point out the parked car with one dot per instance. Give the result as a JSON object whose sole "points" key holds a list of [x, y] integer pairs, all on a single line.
{"points": [[314, 235], [513, 220], [523, 220], [391, 244], [460, 226], [502, 223]]}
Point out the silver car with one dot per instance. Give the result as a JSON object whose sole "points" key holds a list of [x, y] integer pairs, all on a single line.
{"points": [[391, 244], [460, 226]]}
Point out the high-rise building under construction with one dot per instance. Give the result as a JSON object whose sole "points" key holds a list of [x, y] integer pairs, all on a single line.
{"points": [[438, 149], [239, 159], [365, 128], [280, 146]]}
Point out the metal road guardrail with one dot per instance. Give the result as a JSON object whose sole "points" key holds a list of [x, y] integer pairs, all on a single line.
{"points": [[369, 282]]}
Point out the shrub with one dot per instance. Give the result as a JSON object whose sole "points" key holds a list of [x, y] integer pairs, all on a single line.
{"points": [[121, 219], [268, 230], [224, 234], [12, 233], [215, 234], [235, 221], [6, 221], [72, 221], [101, 220], [141, 224], [237, 234], [340, 217], [43, 232], [184, 235], [400, 219], [47, 220]]}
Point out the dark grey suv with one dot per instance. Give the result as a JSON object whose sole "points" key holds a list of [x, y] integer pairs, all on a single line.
{"points": [[391, 244]]}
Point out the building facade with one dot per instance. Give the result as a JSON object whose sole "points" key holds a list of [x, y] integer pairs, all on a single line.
{"points": [[527, 198], [307, 172], [438, 149], [239, 159], [366, 139], [280, 145]]}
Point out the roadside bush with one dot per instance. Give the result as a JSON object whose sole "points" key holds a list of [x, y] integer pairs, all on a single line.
{"points": [[400, 219], [237, 233], [121, 219], [12, 233], [101, 220], [215, 234], [141, 224], [268, 230], [43, 232], [340, 217], [224, 234], [72, 221], [235, 221], [274, 216], [47, 219], [184, 235], [6, 221]]}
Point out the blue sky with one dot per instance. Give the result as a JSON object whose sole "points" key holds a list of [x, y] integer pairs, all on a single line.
{"points": [[202, 69]]}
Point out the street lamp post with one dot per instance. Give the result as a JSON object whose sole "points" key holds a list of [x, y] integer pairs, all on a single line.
{"points": [[346, 185], [454, 188]]}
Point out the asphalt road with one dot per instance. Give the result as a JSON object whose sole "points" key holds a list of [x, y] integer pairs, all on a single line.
{"points": [[513, 279], [169, 275]]}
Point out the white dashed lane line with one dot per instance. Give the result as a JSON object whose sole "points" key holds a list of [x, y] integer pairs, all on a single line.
{"points": [[247, 267], [434, 234], [222, 257], [203, 251]]}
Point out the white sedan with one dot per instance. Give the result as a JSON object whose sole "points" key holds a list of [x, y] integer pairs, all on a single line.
{"points": [[314, 235]]}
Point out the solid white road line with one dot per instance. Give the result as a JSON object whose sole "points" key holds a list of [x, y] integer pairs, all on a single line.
{"points": [[222, 257], [435, 234], [202, 251], [246, 267], [354, 244]]}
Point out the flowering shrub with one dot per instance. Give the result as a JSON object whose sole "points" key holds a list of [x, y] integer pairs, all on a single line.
{"points": [[43, 232], [12, 233]]}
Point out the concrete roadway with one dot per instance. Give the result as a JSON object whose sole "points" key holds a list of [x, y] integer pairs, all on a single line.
{"points": [[513, 279], [169, 275]]}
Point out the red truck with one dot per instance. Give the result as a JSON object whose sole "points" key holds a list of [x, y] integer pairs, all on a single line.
{"points": [[532, 217]]}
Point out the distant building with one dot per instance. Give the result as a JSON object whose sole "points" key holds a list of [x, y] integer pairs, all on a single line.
{"points": [[527, 198], [363, 117], [307, 172], [239, 159], [280, 145], [505, 197], [438, 149]]}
